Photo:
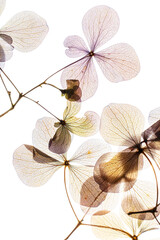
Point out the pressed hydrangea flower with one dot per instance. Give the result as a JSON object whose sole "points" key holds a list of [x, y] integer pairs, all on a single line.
{"points": [[85, 126], [113, 226], [118, 62], [36, 164], [24, 32], [122, 125]]}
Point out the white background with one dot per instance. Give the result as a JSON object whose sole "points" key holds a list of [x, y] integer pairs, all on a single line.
{"points": [[44, 213]]}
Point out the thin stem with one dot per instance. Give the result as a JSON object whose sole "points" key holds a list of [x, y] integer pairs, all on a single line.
{"points": [[10, 80], [68, 195], [74, 229], [49, 84], [12, 107], [8, 92], [44, 82], [37, 102]]}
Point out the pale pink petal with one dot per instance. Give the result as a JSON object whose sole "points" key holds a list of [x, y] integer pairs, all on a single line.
{"points": [[76, 46], [118, 62], [99, 25], [26, 29], [84, 71], [2, 5]]}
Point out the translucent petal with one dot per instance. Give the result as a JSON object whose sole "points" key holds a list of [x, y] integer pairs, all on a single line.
{"points": [[89, 152], [112, 226], [71, 110], [118, 62], [34, 167], [99, 25], [154, 116], [140, 198], [92, 196], [121, 124], [115, 168], [152, 136], [76, 46], [85, 126], [84, 71], [6, 50], [61, 141], [43, 132], [2, 5], [27, 30]]}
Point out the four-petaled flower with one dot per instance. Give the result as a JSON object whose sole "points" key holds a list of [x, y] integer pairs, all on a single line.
{"points": [[118, 62]]}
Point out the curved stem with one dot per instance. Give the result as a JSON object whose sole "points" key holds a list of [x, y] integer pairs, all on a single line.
{"points": [[65, 185], [44, 82], [114, 229], [39, 85]]}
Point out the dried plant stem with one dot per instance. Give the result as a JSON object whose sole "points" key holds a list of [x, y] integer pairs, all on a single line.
{"points": [[153, 210], [8, 92], [13, 105], [68, 194], [74, 229], [101, 226], [37, 102]]}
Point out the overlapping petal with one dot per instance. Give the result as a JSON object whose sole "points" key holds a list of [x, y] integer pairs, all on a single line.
{"points": [[33, 166], [61, 141], [113, 226], [26, 29], [140, 198], [83, 70]]}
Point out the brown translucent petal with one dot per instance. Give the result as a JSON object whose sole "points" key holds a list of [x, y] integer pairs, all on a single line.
{"points": [[73, 91], [34, 167], [115, 168], [61, 140], [93, 198], [91, 194], [152, 135]]}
